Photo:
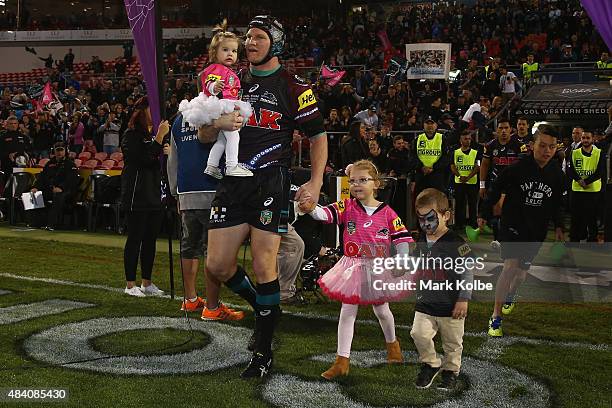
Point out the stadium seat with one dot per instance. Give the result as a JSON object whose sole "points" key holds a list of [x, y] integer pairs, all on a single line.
{"points": [[108, 164], [101, 156], [42, 162], [90, 164], [117, 156], [84, 156], [77, 162]]}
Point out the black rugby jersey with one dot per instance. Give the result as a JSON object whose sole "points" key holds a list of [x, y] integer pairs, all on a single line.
{"points": [[281, 102], [502, 155]]}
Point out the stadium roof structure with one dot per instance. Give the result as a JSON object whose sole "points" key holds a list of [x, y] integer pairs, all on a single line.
{"points": [[563, 102]]}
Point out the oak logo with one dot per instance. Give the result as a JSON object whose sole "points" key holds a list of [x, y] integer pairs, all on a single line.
{"points": [[267, 119]]}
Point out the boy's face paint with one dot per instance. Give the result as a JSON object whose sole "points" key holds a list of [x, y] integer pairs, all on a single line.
{"points": [[429, 222]]}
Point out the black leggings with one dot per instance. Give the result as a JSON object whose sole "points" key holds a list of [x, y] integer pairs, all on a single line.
{"points": [[143, 227]]}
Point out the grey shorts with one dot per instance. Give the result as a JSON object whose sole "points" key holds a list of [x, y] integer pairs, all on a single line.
{"points": [[195, 233]]}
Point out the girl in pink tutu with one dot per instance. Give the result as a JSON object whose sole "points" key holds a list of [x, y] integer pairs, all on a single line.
{"points": [[220, 90], [370, 227]]}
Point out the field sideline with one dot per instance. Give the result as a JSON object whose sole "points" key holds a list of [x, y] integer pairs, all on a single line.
{"points": [[61, 300]]}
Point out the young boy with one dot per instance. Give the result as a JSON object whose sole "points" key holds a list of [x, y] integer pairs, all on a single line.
{"points": [[441, 304]]}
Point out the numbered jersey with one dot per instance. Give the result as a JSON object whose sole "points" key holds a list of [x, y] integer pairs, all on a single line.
{"points": [[281, 103]]}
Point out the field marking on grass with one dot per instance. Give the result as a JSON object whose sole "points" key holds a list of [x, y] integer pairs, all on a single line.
{"points": [[72, 342], [4, 292], [492, 345], [19, 313], [289, 391]]}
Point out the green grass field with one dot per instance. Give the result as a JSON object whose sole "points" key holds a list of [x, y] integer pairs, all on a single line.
{"points": [[554, 355]]}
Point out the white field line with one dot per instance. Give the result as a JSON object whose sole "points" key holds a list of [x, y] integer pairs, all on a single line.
{"points": [[491, 345]]}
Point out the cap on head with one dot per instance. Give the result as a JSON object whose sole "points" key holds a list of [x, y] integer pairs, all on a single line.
{"points": [[275, 32], [429, 119]]}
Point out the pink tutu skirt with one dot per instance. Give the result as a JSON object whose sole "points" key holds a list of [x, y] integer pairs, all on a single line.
{"points": [[353, 281]]}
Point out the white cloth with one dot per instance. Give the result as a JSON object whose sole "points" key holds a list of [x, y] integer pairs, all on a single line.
{"points": [[475, 107], [346, 326], [203, 110]]}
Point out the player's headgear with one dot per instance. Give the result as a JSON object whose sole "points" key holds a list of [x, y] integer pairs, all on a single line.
{"points": [[275, 32]]}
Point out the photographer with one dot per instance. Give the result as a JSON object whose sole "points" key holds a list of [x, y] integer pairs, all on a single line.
{"points": [[141, 197]]}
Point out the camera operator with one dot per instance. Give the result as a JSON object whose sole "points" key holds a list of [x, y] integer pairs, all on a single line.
{"points": [[141, 196]]}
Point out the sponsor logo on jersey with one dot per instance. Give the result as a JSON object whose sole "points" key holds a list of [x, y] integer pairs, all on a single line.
{"points": [[464, 250], [351, 227], [267, 119], [306, 99], [269, 98], [268, 201], [213, 77], [398, 225], [253, 88], [382, 233]]}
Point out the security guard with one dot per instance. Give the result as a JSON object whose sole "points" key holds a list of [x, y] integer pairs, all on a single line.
{"points": [[605, 63], [465, 167], [430, 159], [586, 168], [529, 69]]}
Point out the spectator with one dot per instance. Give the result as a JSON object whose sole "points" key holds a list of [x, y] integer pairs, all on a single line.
{"points": [[110, 131], [368, 116], [377, 156], [48, 61], [568, 55], [346, 118], [398, 157], [69, 60], [507, 83], [353, 147], [42, 138], [75, 134], [58, 182]]}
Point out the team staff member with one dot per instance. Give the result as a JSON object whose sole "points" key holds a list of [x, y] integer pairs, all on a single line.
{"points": [[430, 159], [259, 206], [465, 166], [194, 192], [59, 182], [586, 168], [534, 187], [141, 196]]}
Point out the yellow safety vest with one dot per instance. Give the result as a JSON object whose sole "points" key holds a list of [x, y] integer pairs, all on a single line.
{"points": [[429, 151], [605, 65], [528, 69], [585, 166], [465, 164]]}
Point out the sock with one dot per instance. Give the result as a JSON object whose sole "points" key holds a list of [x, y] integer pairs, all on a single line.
{"points": [[346, 327], [267, 311], [243, 286], [386, 320], [510, 297]]}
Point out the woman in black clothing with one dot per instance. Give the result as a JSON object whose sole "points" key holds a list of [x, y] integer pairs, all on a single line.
{"points": [[141, 197], [353, 146]]}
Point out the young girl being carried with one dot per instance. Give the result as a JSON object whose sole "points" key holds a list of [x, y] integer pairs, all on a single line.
{"points": [[220, 88], [370, 227]]}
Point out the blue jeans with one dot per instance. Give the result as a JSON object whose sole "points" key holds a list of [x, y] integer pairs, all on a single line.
{"points": [[110, 149]]}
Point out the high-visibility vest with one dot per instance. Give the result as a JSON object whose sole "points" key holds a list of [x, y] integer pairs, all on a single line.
{"points": [[528, 69], [429, 151], [465, 164], [585, 166], [605, 65]]}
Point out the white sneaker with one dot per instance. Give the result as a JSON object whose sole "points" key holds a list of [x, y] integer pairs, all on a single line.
{"points": [[134, 291], [213, 172], [151, 290], [238, 171], [495, 245]]}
